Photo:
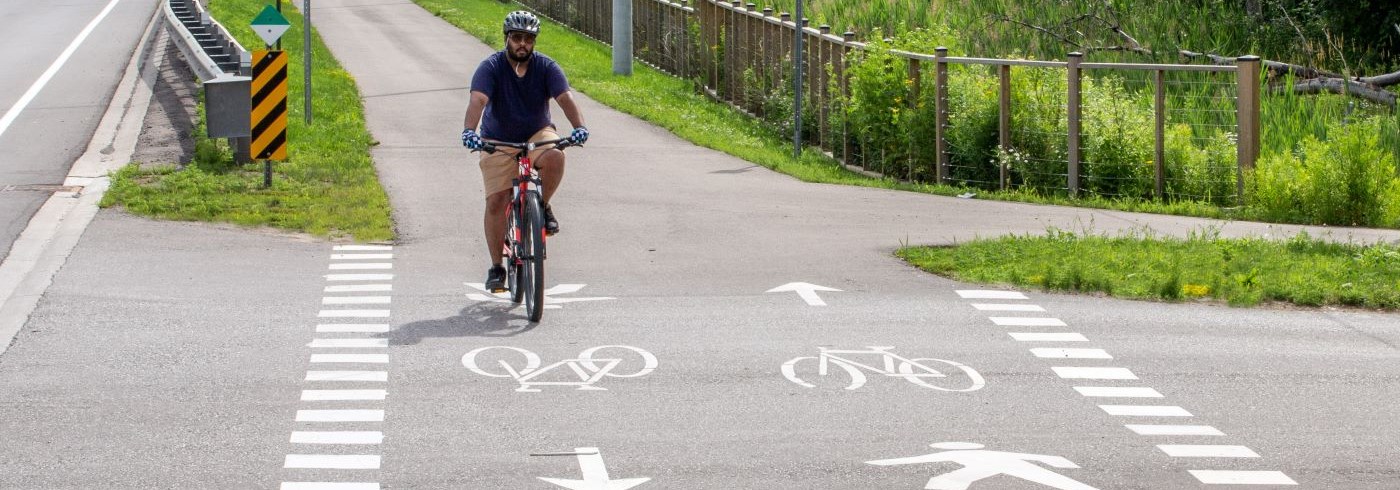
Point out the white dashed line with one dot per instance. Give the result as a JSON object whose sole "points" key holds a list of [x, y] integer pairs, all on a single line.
{"points": [[1206, 451], [359, 277], [1094, 373], [333, 461], [362, 256], [354, 437], [1022, 321], [1215, 477], [349, 343], [355, 300], [352, 328], [350, 358], [1145, 410], [377, 376], [341, 395], [340, 415], [1175, 430], [1006, 307], [1048, 337], [990, 294], [1118, 392], [1062, 353], [363, 248], [364, 266]]}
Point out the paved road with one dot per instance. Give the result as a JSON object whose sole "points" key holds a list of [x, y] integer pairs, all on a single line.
{"points": [[181, 356], [56, 120]]}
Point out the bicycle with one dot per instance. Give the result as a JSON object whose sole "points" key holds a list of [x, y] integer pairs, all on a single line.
{"points": [[891, 364], [524, 248]]}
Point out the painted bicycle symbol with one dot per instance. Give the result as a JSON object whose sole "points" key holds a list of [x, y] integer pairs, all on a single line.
{"points": [[855, 362], [586, 369]]}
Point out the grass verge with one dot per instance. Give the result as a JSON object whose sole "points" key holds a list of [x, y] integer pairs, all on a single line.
{"points": [[1242, 272], [327, 187]]}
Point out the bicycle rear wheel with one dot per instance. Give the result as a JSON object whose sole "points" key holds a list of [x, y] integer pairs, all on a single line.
{"points": [[533, 245]]}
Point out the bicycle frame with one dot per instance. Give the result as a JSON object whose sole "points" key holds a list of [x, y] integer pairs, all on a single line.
{"points": [[525, 202]]}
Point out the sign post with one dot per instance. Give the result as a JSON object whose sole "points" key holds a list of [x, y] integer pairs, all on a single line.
{"points": [[269, 93]]}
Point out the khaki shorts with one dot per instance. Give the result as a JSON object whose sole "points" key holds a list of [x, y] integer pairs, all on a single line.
{"points": [[498, 169]]}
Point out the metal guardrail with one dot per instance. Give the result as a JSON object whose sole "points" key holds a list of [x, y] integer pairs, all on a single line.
{"points": [[206, 44], [221, 64]]}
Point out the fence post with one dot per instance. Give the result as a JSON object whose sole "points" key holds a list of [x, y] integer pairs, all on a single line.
{"points": [[1247, 69], [1004, 123], [941, 115], [915, 76], [823, 99], [1159, 146], [1074, 115], [846, 38]]}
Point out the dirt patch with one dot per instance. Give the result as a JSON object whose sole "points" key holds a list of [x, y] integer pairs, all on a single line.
{"points": [[167, 133]]}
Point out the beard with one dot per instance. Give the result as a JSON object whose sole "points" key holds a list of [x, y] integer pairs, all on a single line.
{"points": [[520, 58]]}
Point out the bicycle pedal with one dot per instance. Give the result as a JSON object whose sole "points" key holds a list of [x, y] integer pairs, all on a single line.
{"points": [[500, 290]]}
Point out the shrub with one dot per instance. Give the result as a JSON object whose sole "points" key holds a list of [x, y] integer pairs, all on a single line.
{"points": [[1347, 179]]}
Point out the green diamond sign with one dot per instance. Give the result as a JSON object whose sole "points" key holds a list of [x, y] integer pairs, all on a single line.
{"points": [[270, 25]]}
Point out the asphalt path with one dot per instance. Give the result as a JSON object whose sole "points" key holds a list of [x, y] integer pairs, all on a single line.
{"points": [[169, 355], [41, 143]]}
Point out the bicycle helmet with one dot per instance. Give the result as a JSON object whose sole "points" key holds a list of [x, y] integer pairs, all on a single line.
{"points": [[521, 21]]}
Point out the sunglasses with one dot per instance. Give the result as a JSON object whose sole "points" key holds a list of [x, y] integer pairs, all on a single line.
{"points": [[521, 38]]}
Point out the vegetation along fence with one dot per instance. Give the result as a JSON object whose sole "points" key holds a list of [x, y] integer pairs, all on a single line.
{"points": [[1176, 132]]}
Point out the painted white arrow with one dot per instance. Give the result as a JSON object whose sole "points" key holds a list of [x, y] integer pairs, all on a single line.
{"points": [[595, 474], [808, 292]]}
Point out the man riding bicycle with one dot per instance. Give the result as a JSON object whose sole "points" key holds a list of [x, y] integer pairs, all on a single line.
{"points": [[512, 89]]}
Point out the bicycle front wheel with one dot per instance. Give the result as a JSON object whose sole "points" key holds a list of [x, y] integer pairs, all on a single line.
{"points": [[533, 245], [514, 266]]}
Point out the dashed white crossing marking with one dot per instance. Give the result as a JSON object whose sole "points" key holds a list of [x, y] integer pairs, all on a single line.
{"points": [[341, 395], [1094, 373], [353, 314], [333, 461], [351, 358], [1175, 430], [1118, 392], [359, 277], [990, 294], [1006, 307], [1048, 337], [1062, 353], [349, 343], [1026, 321], [362, 266], [1145, 410], [340, 437], [347, 376], [1220, 477], [359, 288], [355, 300], [352, 328], [362, 256], [306, 485], [340, 415], [1206, 451]]}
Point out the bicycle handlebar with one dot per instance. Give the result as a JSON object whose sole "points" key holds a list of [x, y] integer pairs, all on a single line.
{"points": [[559, 144]]}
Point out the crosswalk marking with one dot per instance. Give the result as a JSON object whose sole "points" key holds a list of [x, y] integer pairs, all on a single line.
{"points": [[362, 256], [307, 485], [355, 300], [1094, 373], [353, 314], [361, 266], [1175, 430], [1118, 392], [1006, 307], [1145, 410], [990, 294], [1023, 321], [349, 343], [350, 358], [341, 395], [363, 248], [347, 376], [1206, 451], [340, 415], [359, 277], [352, 328], [359, 288], [1063, 353], [1222, 477]]}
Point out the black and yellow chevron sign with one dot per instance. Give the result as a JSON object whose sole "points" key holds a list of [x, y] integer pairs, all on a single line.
{"points": [[269, 105]]}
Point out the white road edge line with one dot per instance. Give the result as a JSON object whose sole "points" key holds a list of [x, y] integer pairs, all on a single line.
{"points": [[48, 74]]}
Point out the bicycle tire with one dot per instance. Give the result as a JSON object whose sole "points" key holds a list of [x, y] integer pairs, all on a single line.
{"points": [[533, 241], [974, 381], [514, 267]]}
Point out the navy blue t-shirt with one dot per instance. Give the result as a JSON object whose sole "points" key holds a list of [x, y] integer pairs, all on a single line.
{"points": [[519, 106]]}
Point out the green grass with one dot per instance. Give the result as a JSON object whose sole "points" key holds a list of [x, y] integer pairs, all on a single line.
{"points": [[328, 187], [1242, 272]]}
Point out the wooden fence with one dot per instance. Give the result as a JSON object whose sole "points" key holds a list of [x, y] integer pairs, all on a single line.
{"points": [[742, 54]]}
